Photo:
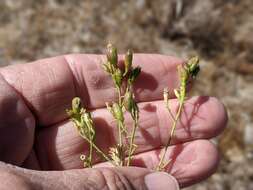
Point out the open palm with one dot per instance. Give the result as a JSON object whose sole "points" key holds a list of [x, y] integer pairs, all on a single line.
{"points": [[35, 132]]}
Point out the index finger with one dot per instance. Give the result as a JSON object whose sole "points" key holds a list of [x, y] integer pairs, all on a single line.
{"points": [[49, 85]]}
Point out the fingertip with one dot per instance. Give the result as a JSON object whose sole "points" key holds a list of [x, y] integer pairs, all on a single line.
{"points": [[218, 114], [161, 181], [205, 164], [209, 116]]}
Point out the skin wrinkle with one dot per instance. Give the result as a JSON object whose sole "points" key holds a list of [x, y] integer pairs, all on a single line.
{"points": [[51, 78], [78, 79], [37, 99], [97, 80], [161, 122], [67, 151], [60, 141], [67, 180], [150, 130], [112, 182], [122, 181], [114, 179], [93, 177], [112, 136], [36, 90], [71, 66]]}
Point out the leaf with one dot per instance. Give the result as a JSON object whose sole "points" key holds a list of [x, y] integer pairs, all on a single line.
{"points": [[106, 67], [177, 94], [134, 74]]}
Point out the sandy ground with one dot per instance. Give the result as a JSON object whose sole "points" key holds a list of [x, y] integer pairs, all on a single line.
{"points": [[219, 31]]}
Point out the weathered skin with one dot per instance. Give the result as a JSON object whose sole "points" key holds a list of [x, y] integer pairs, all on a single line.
{"points": [[35, 96]]}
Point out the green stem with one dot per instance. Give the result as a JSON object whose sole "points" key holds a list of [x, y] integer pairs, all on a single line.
{"points": [[90, 154], [120, 127], [132, 141], [120, 136], [102, 154], [160, 165], [119, 96], [119, 124]]}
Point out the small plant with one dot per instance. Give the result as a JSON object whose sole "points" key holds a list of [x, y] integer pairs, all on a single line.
{"points": [[123, 77], [126, 102], [187, 73], [84, 124], [121, 154]]}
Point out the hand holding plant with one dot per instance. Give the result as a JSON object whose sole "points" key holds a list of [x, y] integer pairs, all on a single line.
{"points": [[33, 119], [126, 102]]}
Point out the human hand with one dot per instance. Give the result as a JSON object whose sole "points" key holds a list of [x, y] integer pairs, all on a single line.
{"points": [[35, 132]]}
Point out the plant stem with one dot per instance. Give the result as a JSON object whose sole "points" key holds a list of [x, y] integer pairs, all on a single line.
{"points": [[170, 112], [160, 165], [90, 154], [120, 127], [102, 154], [119, 124], [132, 141]]}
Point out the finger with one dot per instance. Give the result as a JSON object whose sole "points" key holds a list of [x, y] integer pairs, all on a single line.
{"points": [[189, 163], [49, 85], [59, 147], [99, 178], [17, 126]]}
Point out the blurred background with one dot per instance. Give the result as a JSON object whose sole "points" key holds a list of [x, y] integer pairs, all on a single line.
{"points": [[219, 31]]}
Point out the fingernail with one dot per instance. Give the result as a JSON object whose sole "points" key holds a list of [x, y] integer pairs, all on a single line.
{"points": [[161, 181]]}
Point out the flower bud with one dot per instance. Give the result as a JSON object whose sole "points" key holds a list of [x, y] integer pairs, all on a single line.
{"points": [[112, 55], [130, 104], [117, 77], [76, 105], [117, 112], [128, 101], [193, 66], [128, 61]]}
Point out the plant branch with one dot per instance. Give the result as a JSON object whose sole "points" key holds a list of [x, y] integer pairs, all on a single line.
{"points": [[130, 151]]}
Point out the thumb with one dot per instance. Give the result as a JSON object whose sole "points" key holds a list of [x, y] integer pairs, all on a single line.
{"points": [[94, 178], [141, 178]]}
